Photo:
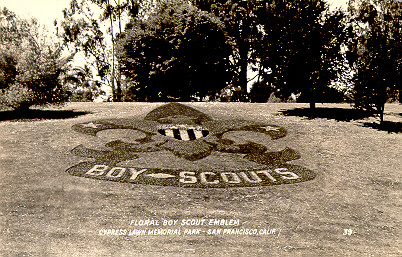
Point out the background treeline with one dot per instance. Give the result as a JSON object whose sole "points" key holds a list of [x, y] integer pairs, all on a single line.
{"points": [[201, 50]]}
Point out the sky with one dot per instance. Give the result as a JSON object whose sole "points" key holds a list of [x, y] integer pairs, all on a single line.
{"points": [[46, 11]]}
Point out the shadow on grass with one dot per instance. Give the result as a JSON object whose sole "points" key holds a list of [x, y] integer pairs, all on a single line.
{"points": [[338, 114], [389, 126], [34, 114]]}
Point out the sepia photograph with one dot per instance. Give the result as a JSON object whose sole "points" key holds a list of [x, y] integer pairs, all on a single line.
{"points": [[201, 128]]}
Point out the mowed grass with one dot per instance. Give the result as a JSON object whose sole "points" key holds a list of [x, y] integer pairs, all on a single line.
{"points": [[47, 212]]}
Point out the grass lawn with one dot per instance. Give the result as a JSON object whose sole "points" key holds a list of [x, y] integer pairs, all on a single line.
{"points": [[351, 208]]}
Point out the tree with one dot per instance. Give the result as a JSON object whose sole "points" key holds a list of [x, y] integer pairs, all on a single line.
{"points": [[301, 48], [30, 64], [242, 28], [376, 53], [91, 26], [178, 53]]}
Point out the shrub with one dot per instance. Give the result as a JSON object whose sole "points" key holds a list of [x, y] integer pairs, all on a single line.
{"points": [[30, 64]]}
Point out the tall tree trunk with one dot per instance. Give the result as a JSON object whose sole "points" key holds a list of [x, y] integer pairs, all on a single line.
{"points": [[244, 48], [116, 90], [243, 77], [118, 86], [381, 110], [312, 97]]}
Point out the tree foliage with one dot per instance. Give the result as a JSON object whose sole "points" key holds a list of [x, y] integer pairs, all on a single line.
{"points": [[242, 27], [301, 48], [30, 64], [376, 52], [181, 50], [90, 27], [242, 30], [178, 52]]}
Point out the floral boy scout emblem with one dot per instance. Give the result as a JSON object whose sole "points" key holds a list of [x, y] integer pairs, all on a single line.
{"points": [[180, 146]]}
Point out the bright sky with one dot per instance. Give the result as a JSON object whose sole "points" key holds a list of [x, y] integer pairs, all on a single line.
{"points": [[46, 11]]}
